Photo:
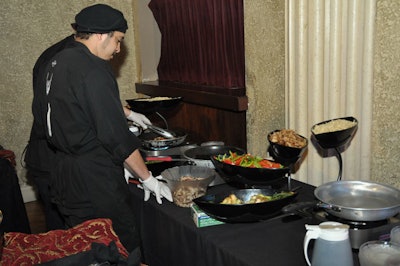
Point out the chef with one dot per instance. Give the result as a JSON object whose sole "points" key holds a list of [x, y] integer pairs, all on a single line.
{"points": [[86, 124]]}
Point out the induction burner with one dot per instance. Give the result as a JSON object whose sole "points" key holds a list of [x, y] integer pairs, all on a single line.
{"points": [[361, 232]]}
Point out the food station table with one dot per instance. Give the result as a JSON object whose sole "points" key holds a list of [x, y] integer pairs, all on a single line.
{"points": [[171, 238]]}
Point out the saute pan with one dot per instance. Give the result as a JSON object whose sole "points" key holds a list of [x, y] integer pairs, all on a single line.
{"points": [[151, 140], [357, 200]]}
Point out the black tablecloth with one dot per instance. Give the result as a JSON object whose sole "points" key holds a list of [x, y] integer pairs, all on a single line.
{"points": [[170, 237]]}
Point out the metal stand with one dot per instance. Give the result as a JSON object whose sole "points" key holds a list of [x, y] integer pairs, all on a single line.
{"points": [[339, 157]]}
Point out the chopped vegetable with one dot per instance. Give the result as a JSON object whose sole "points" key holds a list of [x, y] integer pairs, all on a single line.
{"points": [[247, 160], [257, 198]]}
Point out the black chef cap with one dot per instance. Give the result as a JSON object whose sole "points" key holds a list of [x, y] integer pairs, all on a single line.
{"points": [[100, 18]]}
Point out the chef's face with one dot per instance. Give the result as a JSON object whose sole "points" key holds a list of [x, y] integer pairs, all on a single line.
{"points": [[111, 44]]}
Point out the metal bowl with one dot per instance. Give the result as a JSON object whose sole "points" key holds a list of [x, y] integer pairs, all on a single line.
{"points": [[248, 176], [211, 204], [338, 138]]}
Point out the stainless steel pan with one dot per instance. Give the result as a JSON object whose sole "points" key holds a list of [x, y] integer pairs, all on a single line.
{"points": [[359, 200], [152, 140]]}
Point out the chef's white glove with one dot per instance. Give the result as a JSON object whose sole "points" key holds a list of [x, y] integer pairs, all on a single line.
{"points": [[139, 119], [154, 185], [127, 175]]}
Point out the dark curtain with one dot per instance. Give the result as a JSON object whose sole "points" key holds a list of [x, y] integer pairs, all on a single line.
{"points": [[202, 41]]}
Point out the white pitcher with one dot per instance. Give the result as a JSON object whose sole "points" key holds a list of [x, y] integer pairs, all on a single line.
{"points": [[332, 244]]}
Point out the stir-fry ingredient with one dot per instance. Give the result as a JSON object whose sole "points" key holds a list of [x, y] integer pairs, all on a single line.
{"points": [[247, 160], [288, 138], [257, 198]]}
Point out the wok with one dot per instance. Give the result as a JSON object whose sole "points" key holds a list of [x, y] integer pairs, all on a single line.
{"points": [[202, 155], [249, 176], [356, 200], [211, 204], [153, 104]]}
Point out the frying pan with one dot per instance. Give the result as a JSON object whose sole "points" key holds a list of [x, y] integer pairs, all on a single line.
{"points": [[150, 140], [357, 200]]}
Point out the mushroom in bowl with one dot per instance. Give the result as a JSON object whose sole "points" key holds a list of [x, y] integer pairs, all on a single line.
{"points": [[286, 146], [188, 182]]}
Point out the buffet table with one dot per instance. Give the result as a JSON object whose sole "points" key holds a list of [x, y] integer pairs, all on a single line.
{"points": [[171, 238]]}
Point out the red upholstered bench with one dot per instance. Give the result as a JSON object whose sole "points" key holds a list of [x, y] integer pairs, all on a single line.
{"points": [[31, 249]]}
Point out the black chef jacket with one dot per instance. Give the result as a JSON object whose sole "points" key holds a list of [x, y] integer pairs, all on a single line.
{"points": [[39, 153], [87, 125]]}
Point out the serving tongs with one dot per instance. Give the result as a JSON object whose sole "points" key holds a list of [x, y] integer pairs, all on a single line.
{"points": [[162, 132]]}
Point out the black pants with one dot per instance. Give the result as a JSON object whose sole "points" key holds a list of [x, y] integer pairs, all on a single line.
{"points": [[54, 219]]}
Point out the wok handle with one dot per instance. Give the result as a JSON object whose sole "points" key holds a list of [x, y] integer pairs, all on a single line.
{"points": [[167, 159], [297, 207], [159, 158], [329, 207]]}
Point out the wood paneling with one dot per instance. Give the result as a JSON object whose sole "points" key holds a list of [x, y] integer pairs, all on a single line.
{"points": [[204, 115]]}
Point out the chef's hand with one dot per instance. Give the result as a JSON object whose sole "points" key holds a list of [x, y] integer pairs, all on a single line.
{"points": [[154, 185], [139, 119]]}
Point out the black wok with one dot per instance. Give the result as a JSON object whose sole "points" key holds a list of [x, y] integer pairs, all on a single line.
{"points": [[202, 155], [211, 204], [249, 176], [153, 104], [356, 200]]}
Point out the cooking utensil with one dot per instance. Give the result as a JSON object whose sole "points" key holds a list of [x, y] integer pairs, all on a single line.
{"points": [[162, 132], [354, 200], [202, 155], [249, 176], [211, 204], [151, 140], [153, 104], [359, 200]]}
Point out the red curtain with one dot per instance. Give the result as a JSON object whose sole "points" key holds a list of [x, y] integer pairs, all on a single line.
{"points": [[202, 42]]}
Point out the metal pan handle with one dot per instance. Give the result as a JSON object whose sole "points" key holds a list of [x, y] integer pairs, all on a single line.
{"points": [[329, 207]]}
